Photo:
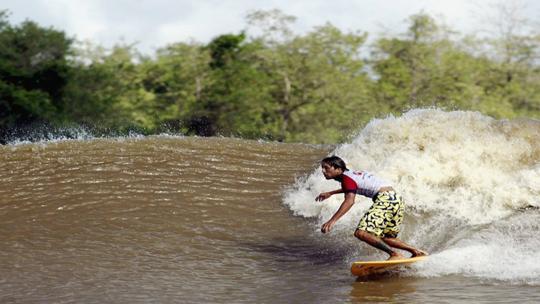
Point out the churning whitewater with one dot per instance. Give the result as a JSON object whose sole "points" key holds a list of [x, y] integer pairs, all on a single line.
{"points": [[471, 185]]}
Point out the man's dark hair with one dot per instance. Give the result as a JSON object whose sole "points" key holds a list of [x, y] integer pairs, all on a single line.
{"points": [[335, 162]]}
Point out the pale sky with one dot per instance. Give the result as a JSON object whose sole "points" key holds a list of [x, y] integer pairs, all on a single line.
{"points": [[156, 23]]}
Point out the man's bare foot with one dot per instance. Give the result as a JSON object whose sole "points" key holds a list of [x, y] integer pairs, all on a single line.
{"points": [[418, 253], [396, 256]]}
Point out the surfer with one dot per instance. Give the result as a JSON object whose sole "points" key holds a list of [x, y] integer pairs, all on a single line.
{"points": [[379, 226]]}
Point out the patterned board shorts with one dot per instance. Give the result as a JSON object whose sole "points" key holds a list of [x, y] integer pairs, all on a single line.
{"points": [[384, 216]]}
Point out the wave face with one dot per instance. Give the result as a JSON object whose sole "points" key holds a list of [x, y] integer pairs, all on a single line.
{"points": [[471, 183], [158, 219]]}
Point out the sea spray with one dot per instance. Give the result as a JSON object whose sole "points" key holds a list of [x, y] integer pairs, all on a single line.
{"points": [[466, 179]]}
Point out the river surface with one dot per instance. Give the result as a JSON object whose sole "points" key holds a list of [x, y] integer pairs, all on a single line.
{"points": [[171, 219]]}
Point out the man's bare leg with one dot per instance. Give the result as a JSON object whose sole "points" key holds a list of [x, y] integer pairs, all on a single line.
{"points": [[377, 243], [397, 243]]}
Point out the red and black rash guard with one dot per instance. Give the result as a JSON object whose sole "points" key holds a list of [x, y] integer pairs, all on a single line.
{"points": [[362, 182]]}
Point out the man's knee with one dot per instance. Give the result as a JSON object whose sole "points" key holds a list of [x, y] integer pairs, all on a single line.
{"points": [[361, 234]]}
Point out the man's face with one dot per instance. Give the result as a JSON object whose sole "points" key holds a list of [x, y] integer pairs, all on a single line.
{"points": [[330, 172]]}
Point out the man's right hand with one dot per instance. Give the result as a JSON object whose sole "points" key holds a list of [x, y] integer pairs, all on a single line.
{"points": [[327, 226], [323, 196]]}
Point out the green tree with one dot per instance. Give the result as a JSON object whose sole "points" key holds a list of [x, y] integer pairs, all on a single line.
{"points": [[425, 67], [107, 90], [178, 78], [234, 100], [513, 48], [317, 80], [497, 75], [33, 73], [406, 66]]}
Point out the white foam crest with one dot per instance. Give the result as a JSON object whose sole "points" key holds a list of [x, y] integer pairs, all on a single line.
{"points": [[463, 164], [75, 134], [487, 261], [59, 135], [471, 184], [504, 251]]}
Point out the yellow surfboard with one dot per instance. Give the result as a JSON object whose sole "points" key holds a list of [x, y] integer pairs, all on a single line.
{"points": [[374, 267]]}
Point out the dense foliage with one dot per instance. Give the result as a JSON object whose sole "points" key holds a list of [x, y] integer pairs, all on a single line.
{"points": [[312, 87]]}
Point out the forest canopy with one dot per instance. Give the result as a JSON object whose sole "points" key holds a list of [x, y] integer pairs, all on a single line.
{"points": [[313, 87]]}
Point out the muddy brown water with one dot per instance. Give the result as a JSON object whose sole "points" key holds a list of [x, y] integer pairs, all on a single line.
{"points": [[184, 220]]}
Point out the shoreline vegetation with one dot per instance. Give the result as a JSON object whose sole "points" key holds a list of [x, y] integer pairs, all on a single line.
{"points": [[314, 87]]}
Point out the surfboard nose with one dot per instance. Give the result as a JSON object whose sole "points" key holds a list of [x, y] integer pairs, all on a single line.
{"points": [[375, 267]]}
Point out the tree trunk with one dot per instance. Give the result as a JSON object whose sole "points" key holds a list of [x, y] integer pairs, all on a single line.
{"points": [[285, 111]]}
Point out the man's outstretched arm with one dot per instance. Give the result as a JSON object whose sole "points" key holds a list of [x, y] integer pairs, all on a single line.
{"points": [[345, 206], [325, 195]]}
